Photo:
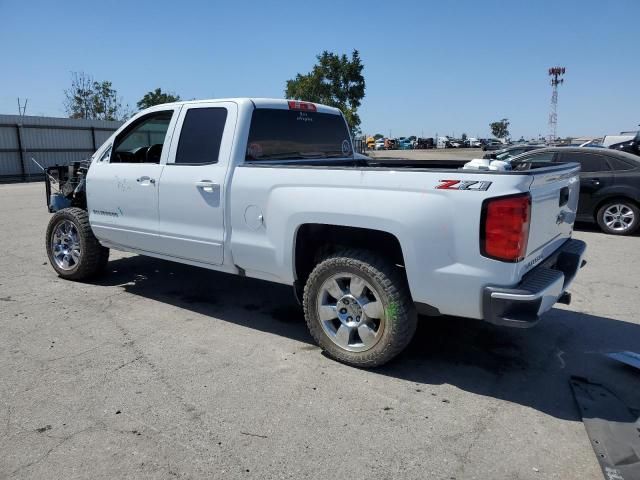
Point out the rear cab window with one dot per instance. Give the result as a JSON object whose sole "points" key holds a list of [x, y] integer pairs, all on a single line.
{"points": [[279, 134]]}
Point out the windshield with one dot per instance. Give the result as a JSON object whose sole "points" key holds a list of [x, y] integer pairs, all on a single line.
{"points": [[292, 134], [508, 154]]}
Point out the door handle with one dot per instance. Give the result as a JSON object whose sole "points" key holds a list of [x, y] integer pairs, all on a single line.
{"points": [[595, 181], [564, 196], [207, 186], [146, 179]]}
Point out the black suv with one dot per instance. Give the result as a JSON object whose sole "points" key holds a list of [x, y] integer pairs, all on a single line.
{"points": [[609, 184], [629, 146]]}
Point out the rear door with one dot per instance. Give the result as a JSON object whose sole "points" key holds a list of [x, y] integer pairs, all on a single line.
{"points": [[595, 175], [122, 186], [191, 203]]}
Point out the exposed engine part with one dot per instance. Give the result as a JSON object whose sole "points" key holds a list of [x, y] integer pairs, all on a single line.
{"points": [[65, 185]]}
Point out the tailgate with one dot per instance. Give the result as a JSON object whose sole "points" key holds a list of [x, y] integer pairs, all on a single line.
{"points": [[554, 202]]}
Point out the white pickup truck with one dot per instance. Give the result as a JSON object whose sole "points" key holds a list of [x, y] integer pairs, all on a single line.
{"points": [[272, 189]]}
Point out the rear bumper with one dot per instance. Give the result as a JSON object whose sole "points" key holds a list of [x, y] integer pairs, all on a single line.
{"points": [[523, 305]]}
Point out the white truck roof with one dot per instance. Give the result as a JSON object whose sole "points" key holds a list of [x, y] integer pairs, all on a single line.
{"points": [[276, 103]]}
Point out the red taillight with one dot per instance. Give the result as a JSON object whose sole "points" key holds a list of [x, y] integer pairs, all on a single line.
{"points": [[504, 232], [303, 106]]}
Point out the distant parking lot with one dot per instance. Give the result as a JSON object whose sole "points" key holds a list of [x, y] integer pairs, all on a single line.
{"points": [[430, 154], [161, 370]]}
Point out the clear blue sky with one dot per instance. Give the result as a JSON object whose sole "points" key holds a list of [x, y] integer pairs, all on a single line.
{"points": [[446, 67]]}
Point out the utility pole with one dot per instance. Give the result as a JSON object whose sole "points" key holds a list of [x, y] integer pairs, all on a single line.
{"points": [[556, 74], [22, 108]]}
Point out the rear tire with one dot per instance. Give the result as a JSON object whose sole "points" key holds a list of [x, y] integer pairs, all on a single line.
{"points": [[374, 315], [73, 250], [618, 217]]}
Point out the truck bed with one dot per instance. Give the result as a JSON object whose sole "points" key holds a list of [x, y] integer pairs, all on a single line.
{"points": [[403, 163]]}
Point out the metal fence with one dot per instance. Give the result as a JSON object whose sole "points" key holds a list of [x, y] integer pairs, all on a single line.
{"points": [[50, 141]]}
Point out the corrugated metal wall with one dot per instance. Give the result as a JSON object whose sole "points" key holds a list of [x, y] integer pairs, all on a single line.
{"points": [[49, 140]]}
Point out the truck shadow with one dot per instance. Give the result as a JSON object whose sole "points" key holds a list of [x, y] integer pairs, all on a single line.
{"points": [[528, 367]]}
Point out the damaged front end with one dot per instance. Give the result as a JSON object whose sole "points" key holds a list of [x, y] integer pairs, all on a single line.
{"points": [[66, 185]]}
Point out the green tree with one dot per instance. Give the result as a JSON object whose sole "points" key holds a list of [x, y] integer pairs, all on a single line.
{"points": [[378, 136], [335, 80], [500, 129], [78, 101], [463, 137], [93, 100], [106, 103], [156, 97]]}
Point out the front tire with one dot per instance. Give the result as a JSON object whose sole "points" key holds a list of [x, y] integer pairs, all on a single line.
{"points": [[619, 217], [358, 308], [73, 250]]}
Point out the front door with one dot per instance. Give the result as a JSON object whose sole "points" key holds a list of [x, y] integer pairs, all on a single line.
{"points": [[191, 202], [122, 187]]}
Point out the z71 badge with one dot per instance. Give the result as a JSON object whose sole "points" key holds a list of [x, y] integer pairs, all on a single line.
{"points": [[473, 185]]}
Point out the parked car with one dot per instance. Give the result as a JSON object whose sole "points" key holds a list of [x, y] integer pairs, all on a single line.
{"points": [[609, 184], [492, 145], [379, 145], [472, 143], [626, 142], [371, 143], [264, 188], [443, 142], [390, 144], [404, 143], [425, 143], [510, 152]]}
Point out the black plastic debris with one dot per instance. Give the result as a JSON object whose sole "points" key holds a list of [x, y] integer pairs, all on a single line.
{"points": [[613, 429], [629, 358]]}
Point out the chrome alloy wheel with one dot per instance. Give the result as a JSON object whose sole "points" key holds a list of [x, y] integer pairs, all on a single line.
{"points": [[350, 312], [65, 245], [618, 217]]}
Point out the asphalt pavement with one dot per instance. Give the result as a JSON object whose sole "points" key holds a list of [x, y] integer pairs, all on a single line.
{"points": [[160, 370]]}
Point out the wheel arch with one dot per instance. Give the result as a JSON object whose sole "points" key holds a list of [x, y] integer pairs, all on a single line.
{"points": [[312, 241], [610, 197]]}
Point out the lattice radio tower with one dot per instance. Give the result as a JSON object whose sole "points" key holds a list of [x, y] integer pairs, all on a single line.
{"points": [[556, 74]]}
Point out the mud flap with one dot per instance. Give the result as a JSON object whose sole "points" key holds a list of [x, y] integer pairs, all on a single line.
{"points": [[613, 429]]}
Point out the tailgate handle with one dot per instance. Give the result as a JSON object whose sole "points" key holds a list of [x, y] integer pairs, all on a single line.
{"points": [[564, 196]]}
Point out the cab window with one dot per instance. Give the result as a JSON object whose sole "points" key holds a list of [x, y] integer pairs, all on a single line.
{"points": [[538, 157], [201, 136], [620, 165], [589, 162], [277, 134], [143, 141]]}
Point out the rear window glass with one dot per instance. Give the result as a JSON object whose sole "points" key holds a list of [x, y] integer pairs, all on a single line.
{"points": [[588, 161], [619, 164], [292, 134], [538, 157]]}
